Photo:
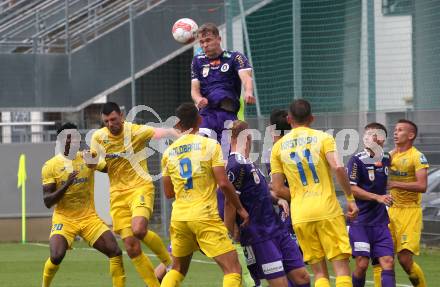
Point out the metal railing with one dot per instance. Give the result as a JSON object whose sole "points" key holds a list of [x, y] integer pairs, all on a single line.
{"points": [[60, 26]]}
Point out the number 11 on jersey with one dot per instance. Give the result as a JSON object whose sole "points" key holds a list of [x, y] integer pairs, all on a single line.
{"points": [[297, 159]]}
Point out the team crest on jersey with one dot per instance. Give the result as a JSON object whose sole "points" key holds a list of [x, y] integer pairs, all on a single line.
{"points": [[371, 174], [225, 67], [205, 71], [386, 170]]}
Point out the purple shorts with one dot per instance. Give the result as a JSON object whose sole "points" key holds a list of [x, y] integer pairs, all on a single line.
{"points": [[214, 119], [371, 241], [273, 258]]}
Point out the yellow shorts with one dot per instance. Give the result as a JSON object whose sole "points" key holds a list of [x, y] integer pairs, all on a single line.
{"points": [[323, 238], [406, 227], [127, 204], [210, 236], [90, 228]]}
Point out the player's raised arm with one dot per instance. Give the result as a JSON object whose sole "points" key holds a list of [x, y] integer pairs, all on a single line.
{"points": [[51, 195], [197, 97], [94, 157], [247, 81], [360, 193], [341, 177], [418, 186], [160, 133]]}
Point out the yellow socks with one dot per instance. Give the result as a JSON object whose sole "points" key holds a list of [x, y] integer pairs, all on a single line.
{"points": [[416, 276], [153, 241], [117, 271], [322, 282], [145, 269], [377, 275], [232, 280], [172, 279], [343, 281], [49, 272]]}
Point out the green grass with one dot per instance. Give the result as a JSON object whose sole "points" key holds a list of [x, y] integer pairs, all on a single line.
{"points": [[22, 266]]}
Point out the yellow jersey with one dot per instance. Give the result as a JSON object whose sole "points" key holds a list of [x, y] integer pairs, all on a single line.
{"points": [[125, 155], [78, 201], [300, 156], [189, 162], [403, 168]]}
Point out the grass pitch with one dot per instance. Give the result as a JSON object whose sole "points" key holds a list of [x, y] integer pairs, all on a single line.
{"points": [[21, 265]]}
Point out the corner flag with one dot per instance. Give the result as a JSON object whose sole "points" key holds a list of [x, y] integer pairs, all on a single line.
{"points": [[21, 183]]}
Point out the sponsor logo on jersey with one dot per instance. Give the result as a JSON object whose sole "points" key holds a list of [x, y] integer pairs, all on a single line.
{"points": [[226, 54], [240, 61], [362, 246], [272, 267], [205, 71], [371, 174], [354, 169]]}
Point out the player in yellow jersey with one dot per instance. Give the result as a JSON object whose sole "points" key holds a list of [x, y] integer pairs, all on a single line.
{"points": [[123, 145], [407, 181], [192, 167], [306, 157], [68, 184]]}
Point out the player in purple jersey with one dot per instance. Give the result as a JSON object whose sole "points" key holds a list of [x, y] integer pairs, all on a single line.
{"points": [[217, 76], [270, 251], [369, 233]]}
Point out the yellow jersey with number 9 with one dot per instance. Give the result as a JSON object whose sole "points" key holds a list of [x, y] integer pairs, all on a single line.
{"points": [[403, 168], [300, 156], [189, 162]]}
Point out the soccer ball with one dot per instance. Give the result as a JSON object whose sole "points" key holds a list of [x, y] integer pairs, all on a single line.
{"points": [[184, 30]]}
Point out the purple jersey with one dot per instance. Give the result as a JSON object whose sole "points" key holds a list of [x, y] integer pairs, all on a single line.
{"points": [[219, 78], [255, 197], [285, 218], [372, 177]]}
